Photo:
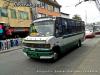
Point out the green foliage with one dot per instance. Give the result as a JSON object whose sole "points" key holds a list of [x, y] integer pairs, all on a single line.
{"points": [[77, 17]]}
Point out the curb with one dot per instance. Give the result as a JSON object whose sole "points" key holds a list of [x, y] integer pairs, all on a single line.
{"points": [[12, 49]]}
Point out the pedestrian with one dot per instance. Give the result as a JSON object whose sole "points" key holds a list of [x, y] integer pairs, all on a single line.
{"points": [[11, 42], [8, 43], [3, 44], [14, 42]]}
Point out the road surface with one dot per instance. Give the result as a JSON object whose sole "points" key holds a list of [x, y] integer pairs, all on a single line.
{"points": [[81, 61]]}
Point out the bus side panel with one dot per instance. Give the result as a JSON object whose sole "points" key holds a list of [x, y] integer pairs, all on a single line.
{"points": [[71, 32], [71, 41]]}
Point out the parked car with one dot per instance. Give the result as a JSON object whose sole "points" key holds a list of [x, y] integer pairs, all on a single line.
{"points": [[97, 31], [89, 34]]}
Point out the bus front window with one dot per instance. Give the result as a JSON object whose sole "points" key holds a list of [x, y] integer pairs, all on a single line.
{"points": [[42, 28]]}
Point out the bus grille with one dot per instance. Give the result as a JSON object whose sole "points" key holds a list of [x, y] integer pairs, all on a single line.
{"points": [[37, 45]]}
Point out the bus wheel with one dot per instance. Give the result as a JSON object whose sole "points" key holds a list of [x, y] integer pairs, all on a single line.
{"points": [[55, 58], [79, 43], [56, 53]]}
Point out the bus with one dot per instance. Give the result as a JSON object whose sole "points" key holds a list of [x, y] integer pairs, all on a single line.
{"points": [[51, 37]]}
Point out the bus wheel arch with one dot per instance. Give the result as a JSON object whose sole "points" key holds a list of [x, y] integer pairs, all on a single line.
{"points": [[56, 49]]}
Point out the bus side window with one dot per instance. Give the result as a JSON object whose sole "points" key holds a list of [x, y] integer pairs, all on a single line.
{"points": [[64, 26], [69, 27], [58, 28]]}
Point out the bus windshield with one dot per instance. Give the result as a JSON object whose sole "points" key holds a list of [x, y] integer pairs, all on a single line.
{"points": [[42, 28]]}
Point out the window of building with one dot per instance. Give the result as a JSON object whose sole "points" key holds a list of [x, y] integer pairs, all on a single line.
{"points": [[49, 7], [42, 4], [24, 0], [56, 9], [23, 15], [13, 13], [38, 3], [41, 15], [46, 5], [13, 1], [0, 11], [3, 12]]}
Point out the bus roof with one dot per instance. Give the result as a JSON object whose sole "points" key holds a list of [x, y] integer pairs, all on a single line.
{"points": [[52, 18], [44, 19]]}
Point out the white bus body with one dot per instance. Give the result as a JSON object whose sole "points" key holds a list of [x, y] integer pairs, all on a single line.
{"points": [[50, 37]]}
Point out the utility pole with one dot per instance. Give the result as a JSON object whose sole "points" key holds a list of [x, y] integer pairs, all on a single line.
{"points": [[79, 3], [85, 17]]}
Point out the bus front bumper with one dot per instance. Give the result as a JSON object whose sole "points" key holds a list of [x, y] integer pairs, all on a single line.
{"points": [[39, 53]]}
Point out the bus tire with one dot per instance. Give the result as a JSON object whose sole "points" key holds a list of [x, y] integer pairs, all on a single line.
{"points": [[79, 43], [56, 51]]}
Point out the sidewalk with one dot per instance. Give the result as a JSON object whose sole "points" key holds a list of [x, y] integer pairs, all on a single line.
{"points": [[11, 49]]}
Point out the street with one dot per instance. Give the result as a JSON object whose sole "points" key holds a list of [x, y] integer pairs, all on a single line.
{"points": [[81, 61]]}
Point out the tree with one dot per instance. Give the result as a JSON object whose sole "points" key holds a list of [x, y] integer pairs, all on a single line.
{"points": [[77, 17]]}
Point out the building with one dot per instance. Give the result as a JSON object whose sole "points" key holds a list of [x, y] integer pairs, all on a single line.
{"points": [[45, 8], [18, 18]]}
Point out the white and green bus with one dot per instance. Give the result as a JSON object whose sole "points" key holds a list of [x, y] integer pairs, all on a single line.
{"points": [[51, 37]]}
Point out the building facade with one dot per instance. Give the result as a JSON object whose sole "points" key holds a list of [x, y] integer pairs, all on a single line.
{"points": [[45, 8], [18, 18]]}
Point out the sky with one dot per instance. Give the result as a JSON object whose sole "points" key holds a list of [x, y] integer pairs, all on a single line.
{"points": [[87, 10]]}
